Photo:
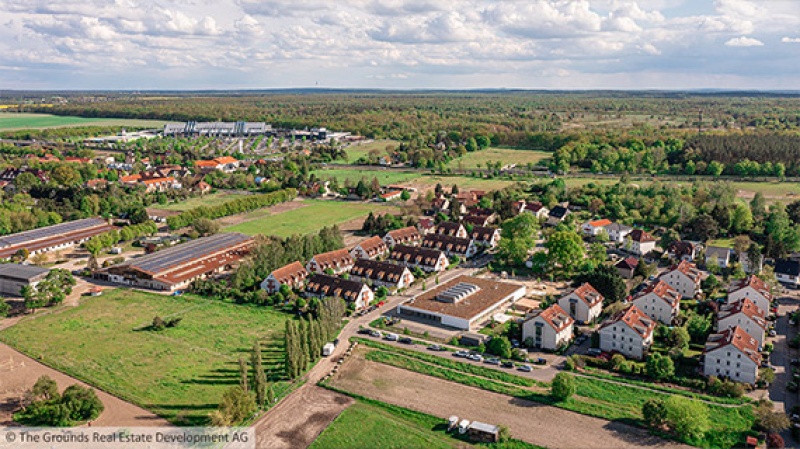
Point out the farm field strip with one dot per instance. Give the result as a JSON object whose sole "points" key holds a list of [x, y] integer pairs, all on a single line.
{"points": [[12, 121]]}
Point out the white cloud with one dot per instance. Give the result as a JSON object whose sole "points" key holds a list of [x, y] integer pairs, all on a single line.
{"points": [[790, 40], [744, 41]]}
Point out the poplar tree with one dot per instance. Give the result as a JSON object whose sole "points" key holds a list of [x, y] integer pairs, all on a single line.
{"points": [[243, 374], [259, 377]]}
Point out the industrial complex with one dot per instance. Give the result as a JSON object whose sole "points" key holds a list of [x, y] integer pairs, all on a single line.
{"points": [[52, 238]]}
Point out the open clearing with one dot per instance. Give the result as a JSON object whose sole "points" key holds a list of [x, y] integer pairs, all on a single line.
{"points": [[213, 199], [506, 156], [311, 217], [179, 373], [12, 121], [529, 421], [385, 176], [358, 150], [463, 182]]}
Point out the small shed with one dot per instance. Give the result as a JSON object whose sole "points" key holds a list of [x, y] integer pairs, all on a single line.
{"points": [[473, 339], [484, 433]]}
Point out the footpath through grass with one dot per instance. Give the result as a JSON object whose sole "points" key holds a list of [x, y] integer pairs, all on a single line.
{"points": [[594, 397], [179, 373]]}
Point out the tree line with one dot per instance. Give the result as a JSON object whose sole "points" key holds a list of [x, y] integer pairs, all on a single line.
{"points": [[237, 206], [305, 338]]}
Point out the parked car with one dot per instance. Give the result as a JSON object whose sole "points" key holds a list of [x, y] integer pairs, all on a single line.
{"points": [[462, 354], [406, 341], [525, 368], [492, 361], [475, 357], [374, 333], [364, 331], [390, 336], [594, 352], [772, 333], [515, 342], [507, 364], [539, 361], [435, 348]]}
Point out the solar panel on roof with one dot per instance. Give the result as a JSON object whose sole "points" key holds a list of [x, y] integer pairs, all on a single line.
{"points": [[187, 252], [49, 231]]}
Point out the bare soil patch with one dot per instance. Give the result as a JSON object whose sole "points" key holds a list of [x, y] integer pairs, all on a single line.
{"points": [[18, 373], [300, 418], [529, 421]]}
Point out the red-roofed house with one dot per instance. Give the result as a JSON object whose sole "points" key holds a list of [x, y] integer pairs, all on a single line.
{"points": [[548, 329], [745, 314], [683, 277], [391, 195], [639, 242], [629, 332], [733, 354], [754, 289], [593, 228], [533, 207], [339, 261], [627, 267], [371, 248], [659, 301], [292, 275], [584, 304], [403, 236]]}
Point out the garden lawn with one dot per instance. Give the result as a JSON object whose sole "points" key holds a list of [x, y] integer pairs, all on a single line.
{"points": [[179, 373], [506, 156], [385, 176], [214, 199], [313, 216], [12, 121]]}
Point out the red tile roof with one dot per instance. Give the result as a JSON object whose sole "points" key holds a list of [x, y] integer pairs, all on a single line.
{"points": [[687, 268], [635, 319], [663, 291], [638, 235], [289, 274], [335, 258], [556, 317], [599, 223], [745, 306], [755, 282], [373, 245], [738, 338], [405, 235], [588, 294]]}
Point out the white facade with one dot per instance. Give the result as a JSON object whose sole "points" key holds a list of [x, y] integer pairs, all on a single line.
{"points": [[639, 248], [620, 337], [544, 335], [657, 308], [788, 279], [678, 280], [728, 361], [745, 322], [617, 233], [753, 295], [464, 323], [579, 309]]}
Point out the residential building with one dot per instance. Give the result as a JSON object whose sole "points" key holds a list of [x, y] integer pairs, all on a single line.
{"points": [[532, 207], [584, 304], [788, 272], [629, 332], [426, 259], [556, 215], [719, 256], [292, 275], [13, 277], [426, 225], [451, 229], [748, 266], [618, 232], [595, 227], [627, 267], [338, 261], [355, 292], [225, 164], [176, 267], [660, 302], [548, 329], [391, 195], [477, 220], [452, 246], [383, 274], [485, 236], [683, 250], [754, 289], [462, 303], [746, 315], [683, 277], [408, 236], [371, 248], [732, 354], [639, 242]]}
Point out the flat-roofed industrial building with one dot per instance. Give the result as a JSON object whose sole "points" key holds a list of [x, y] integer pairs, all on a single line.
{"points": [[462, 303], [13, 277], [176, 267]]}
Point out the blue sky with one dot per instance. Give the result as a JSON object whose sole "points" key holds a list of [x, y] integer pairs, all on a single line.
{"points": [[399, 44]]}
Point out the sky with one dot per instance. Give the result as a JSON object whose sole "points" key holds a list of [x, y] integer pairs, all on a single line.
{"points": [[399, 44]]}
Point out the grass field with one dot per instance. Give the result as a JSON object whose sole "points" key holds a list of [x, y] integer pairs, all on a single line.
{"points": [[315, 215], [11, 121], [179, 373], [464, 182], [213, 199], [385, 176], [503, 155], [356, 151]]}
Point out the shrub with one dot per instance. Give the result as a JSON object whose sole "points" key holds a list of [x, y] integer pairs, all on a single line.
{"points": [[654, 412], [775, 441], [563, 387], [158, 324]]}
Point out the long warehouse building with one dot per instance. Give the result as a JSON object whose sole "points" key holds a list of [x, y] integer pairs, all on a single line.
{"points": [[176, 267], [53, 238]]}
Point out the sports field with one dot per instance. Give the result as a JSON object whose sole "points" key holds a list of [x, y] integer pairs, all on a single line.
{"points": [[311, 217], [506, 156], [179, 373], [13, 121]]}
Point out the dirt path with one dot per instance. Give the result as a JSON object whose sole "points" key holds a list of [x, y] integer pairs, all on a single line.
{"points": [[529, 421], [300, 418], [18, 373]]}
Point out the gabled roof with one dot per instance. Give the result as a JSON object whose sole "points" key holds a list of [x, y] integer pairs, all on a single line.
{"points": [[629, 263], [226, 160], [663, 291], [752, 281], [686, 268], [324, 285], [483, 233], [373, 245], [416, 255], [130, 178], [168, 179], [788, 267], [378, 271], [477, 220], [406, 234], [618, 227], [745, 306], [206, 163], [588, 294], [718, 252], [558, 212], [739, 339], [635, 319], [638, 235], [599, 223], [291, 273], [449, 228], [556, 317], [682, 248], [333, 258], [447, 243]]}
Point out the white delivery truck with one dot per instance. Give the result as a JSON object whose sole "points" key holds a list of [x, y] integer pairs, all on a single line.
{"points": [[327, 349]]}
